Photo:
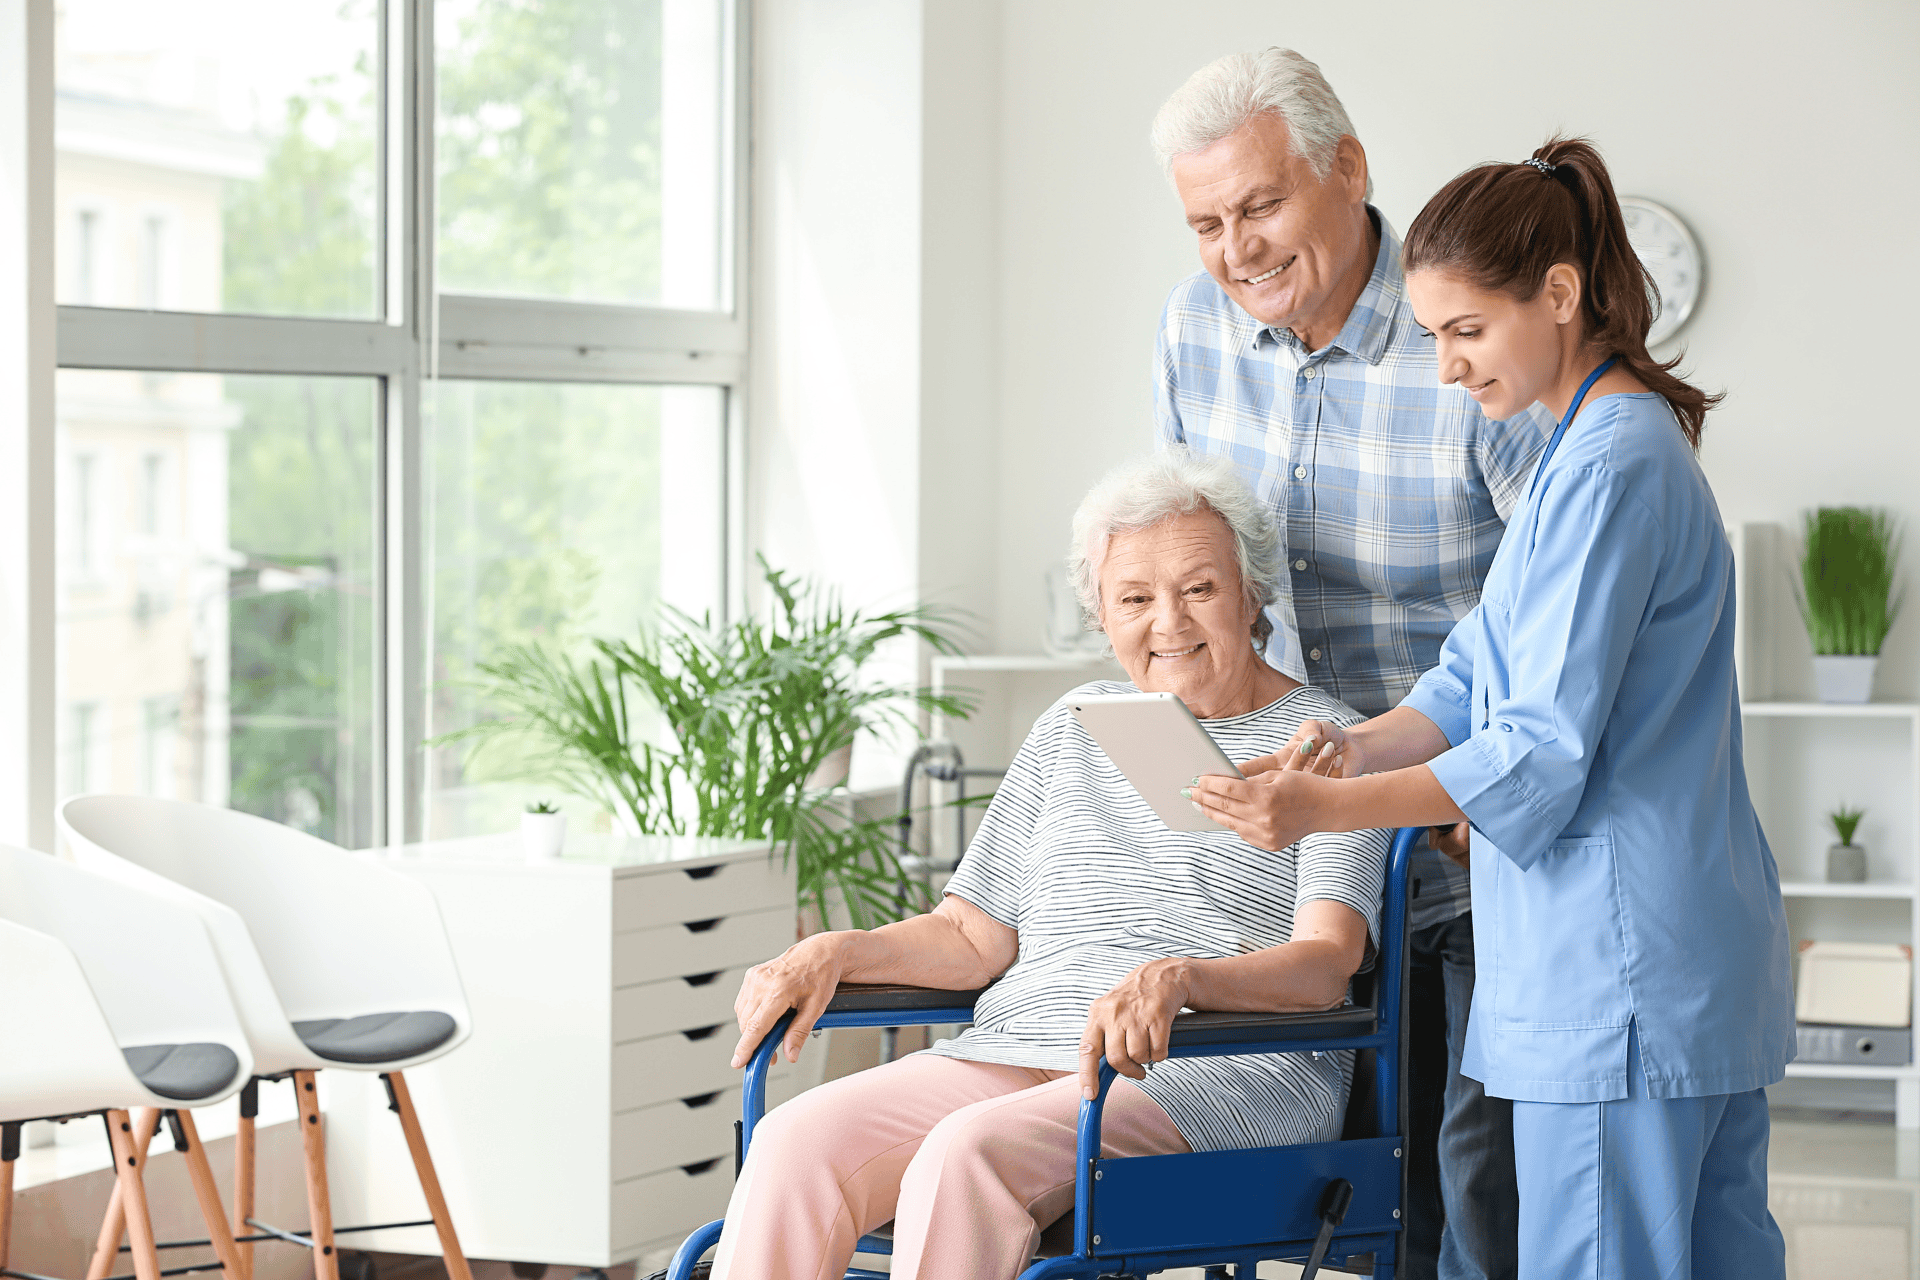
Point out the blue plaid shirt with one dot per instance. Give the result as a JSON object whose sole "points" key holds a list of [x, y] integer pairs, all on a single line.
{"points": [[1393, 490]]}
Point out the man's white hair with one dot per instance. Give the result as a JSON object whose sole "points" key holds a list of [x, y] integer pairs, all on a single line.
{"points": [[1225, 94], [1140, 494]]}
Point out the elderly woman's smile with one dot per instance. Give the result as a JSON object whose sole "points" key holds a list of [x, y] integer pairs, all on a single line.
{"points": [[1181, 622]]}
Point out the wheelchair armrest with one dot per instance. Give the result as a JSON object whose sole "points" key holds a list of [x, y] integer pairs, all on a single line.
{"points": [[1195, 1030], [861, 997]]}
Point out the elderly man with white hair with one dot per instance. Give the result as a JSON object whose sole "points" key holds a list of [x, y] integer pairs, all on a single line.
{"points": [[1294, 353], [1095, 923]]}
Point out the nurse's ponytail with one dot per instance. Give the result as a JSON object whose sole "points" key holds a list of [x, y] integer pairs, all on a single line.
{"points": [[1502, 226]]}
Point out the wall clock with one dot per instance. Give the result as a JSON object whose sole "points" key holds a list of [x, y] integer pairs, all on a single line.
{"points": [[1672, 257]]}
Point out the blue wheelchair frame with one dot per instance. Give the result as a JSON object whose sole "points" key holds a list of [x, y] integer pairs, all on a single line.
{"points": [[1213, 1209]]}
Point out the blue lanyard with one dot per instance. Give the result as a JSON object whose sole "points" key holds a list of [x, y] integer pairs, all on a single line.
{"points": [[1579, 396]]}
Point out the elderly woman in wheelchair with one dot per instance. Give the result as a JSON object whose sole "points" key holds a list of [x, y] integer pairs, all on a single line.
{"points": [[1095, 925]]}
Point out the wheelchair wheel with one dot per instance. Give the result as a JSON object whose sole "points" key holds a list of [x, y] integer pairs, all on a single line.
{"points": [[701, 1271]]}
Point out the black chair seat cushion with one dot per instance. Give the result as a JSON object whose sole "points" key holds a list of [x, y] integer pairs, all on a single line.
{"points": [[185, 1072], [373, 1038]]}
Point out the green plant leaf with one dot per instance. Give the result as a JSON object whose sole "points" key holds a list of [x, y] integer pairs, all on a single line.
{"points": [[738, 718], [1847, 573], [1845, 822]]}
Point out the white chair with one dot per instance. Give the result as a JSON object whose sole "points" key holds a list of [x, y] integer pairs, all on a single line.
{"points": [[334, 962], [112, 998]]}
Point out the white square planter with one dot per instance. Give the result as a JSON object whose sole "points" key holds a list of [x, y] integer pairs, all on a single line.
{"points": [[1843, 677], [542, 835]]}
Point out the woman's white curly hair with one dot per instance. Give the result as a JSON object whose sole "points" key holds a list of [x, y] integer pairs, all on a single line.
{"points": [[1140, 494]]}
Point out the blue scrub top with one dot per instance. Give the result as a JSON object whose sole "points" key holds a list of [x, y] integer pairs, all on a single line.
{"points": [[1620, 877]]}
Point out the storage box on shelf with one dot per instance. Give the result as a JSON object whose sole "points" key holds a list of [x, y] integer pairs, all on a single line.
{"points": [[589, 1120], [1805, 757]]}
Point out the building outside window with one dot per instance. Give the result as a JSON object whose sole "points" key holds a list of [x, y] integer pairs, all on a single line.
{"points": [[86, 256], [83, 517], [413, 432]]}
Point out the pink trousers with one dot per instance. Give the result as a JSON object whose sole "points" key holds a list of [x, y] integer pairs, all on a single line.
{"points": [[970, 1160]]}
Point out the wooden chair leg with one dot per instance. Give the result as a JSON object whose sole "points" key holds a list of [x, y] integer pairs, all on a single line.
{"points": [[313, 1140], [130, 1168], [429, 1181], [9, 1152], [204, 1190], [106, 1249], [243, 1173]]}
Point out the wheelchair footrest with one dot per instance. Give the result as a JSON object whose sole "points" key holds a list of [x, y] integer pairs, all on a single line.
{"points": [[1151, 1204]]}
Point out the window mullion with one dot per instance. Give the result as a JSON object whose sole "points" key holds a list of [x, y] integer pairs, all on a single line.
{"points": [[412, 310]]}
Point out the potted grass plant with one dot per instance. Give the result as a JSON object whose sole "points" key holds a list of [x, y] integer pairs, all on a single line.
{"points": [[1846, 861], [1847, 596], [543, 831], [736, 729]]}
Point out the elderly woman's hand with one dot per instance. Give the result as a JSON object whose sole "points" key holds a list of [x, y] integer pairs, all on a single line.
{"points": [[1130, 1024], [802, 978]]}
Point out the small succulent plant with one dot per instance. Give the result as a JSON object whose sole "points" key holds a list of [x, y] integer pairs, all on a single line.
{"points": [[1845, 821], [543, 806]]}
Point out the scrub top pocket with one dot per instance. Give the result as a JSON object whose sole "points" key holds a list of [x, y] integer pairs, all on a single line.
{"points": [[1560, 950]]}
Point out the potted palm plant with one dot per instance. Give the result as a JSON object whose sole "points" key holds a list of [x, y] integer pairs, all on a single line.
{"points": [[1847, 596], [738, 729]]}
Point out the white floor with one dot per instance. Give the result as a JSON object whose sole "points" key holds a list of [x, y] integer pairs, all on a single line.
{"points": [[1845, 1190]]}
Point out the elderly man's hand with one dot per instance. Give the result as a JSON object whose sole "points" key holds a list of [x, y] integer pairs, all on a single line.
{"points": [[802, 978], [1130, 1024], [1455, 841], [1269, 810]]}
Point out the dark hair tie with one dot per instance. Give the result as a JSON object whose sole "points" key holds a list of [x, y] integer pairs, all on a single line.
{"points": [[1541, 165]]}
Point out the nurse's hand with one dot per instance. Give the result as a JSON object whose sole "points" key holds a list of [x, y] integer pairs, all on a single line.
{"points": [[1318, 746], [1131, 1024], [1269, 810]]}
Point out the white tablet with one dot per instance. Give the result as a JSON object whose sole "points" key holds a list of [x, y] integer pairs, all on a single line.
{"points": [[1159, 747]]}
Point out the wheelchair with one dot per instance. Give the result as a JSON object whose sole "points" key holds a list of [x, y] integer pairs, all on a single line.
{"points": [[1324, 1203]]}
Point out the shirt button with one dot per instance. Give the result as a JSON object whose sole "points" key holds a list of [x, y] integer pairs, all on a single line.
{"points": [[1307, 374], [1299, 473], [1314, 654], [1300, 564]]}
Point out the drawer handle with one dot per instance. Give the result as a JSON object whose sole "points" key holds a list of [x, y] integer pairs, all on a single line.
{"points": [[704, 1166], [702, 926], [702, 873], [702, 1033], [702, 979], [700, 1100]]}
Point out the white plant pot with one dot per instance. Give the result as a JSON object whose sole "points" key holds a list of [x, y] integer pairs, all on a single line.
{"points": [[834, 770], [542, 835], [1843, 677]]}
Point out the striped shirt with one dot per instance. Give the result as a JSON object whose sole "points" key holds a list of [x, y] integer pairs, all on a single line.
{"points": [[1095, 884], [1392, 490]]}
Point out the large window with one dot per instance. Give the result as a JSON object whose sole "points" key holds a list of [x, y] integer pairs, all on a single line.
{"points": [[391, 333]]}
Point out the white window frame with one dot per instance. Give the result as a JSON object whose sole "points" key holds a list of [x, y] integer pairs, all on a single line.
{"points": [[463, 336]]}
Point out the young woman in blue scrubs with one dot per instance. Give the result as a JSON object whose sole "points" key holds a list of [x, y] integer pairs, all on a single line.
{"points": [[1633, 995]]}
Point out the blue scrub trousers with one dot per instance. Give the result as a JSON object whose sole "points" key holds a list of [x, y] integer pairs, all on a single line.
{"points": [[1646, 1187]]}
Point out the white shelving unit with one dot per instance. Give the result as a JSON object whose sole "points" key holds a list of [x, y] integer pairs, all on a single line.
{"points": [[1012, 689], [1804, 758]]}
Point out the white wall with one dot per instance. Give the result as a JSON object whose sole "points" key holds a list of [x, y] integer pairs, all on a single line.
{"points": [[833, 480], [1783, 133]]}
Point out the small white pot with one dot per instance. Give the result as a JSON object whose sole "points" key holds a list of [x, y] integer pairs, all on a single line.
{"points": [[1843, 677], [542, 834]]}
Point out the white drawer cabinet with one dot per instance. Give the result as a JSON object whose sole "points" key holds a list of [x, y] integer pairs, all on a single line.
{"points": [[589, 1120]]}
